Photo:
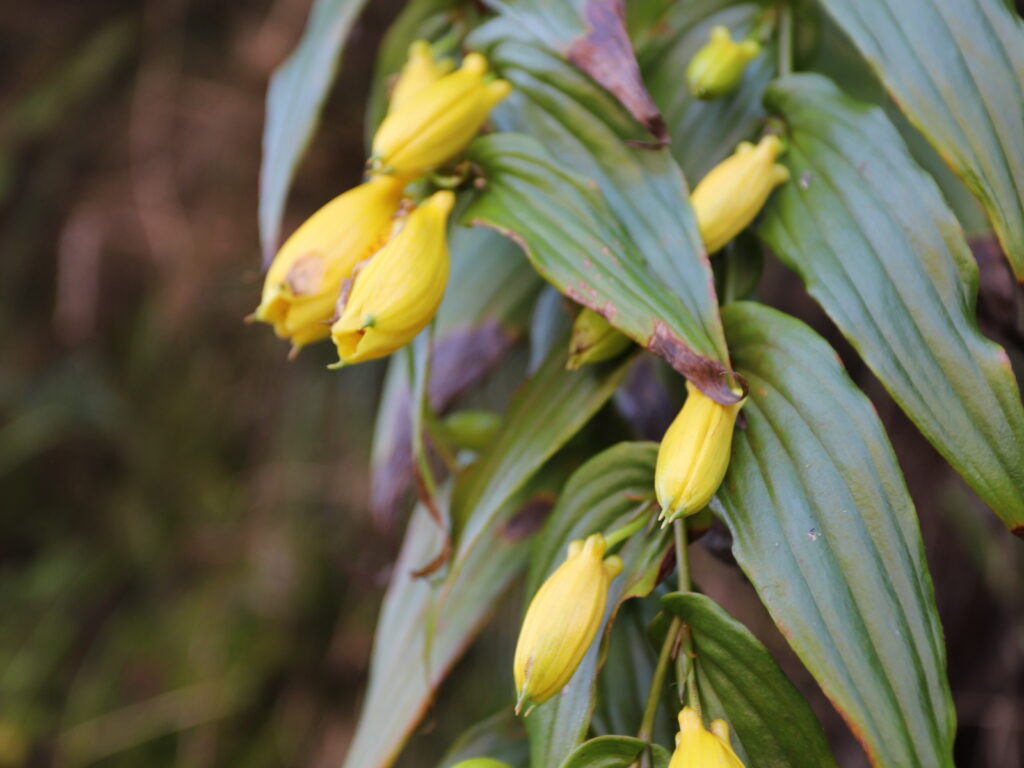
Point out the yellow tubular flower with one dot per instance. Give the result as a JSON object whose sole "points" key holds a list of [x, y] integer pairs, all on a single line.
{"points": [[717, 69], [594, 340], [561, 622], [436, 123], [398, 292], [697, 747], [694, 454], [481, 762], [735, 190], [303, 282], [420, 71]]}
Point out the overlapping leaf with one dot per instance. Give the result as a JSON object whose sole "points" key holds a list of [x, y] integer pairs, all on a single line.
{"points": [[824, 528], [956, 68], [771, 723], [876, 244], [424, 626], [615, 752], [294, 99]]}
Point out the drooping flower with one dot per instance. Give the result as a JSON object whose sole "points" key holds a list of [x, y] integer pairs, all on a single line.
{"points": [[434, 124], [594, 340], [734, 191], [694, 454], [717, 69], [397, 293], [698, 747], [562, 621], [303, 282]]}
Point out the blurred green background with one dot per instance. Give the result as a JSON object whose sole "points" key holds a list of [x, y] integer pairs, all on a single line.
{"points": [[188, 573]]}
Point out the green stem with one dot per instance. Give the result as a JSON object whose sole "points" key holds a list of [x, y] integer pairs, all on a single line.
{"points": [[785, 40], [641, 518], [686, 673], [646, 731]]}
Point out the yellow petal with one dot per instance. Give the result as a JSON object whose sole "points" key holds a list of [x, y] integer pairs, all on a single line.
{"points": [[735, 190], [697, 747], [302, 284], [397, 293], [694, 454], [420, 71]]}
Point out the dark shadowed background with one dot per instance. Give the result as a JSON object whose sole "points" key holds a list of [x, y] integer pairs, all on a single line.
{"points": [[188, 574]]}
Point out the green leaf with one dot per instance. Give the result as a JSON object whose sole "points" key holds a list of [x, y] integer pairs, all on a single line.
{"points": [[876, 244], [602, 495], [615, 752], [706, 131], [956, 68], [425, 625], [825, 530], [591, 35], [294, 99], [740, 682], [500, 737], [661, 297]]}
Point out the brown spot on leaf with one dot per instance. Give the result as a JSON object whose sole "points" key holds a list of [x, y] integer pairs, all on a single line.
{"points": [[1018, 531], [529, 518], [709, 376], [306, 273], [606, 54]]}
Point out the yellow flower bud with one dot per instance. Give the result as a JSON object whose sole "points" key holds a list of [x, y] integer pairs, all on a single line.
{"points": [[694, 454], [717, 68], [481, 762], [562, 620], [420, 71], [735, 190], [697, 747], [594, 340], [397, 293], [435, 124], [303, 282]]}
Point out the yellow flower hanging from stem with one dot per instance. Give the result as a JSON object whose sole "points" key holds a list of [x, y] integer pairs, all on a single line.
{"points": [[698, 747], [303, 282], [397, 293]]}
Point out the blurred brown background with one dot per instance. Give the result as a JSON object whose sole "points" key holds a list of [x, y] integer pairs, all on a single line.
{"points": [[188, 575]]}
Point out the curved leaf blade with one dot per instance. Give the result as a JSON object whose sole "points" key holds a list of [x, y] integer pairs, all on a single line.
{"points": [[878, 248], [295, 97], [615, 752], [823, 526], [740, 682], [578, 243], [956, 68]]}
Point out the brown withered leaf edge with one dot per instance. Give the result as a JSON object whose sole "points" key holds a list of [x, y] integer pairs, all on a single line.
{"points": [[708, 376], [605, 53]]}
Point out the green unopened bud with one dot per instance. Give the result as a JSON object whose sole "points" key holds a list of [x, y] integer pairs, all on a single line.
{"points": [[594, 340], [717, 68], [481, 762], [474, 430]]}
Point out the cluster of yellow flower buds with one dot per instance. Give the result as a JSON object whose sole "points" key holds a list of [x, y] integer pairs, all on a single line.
{"points": [[697, 747], [369, 269], [562, 621], [694, 454]]}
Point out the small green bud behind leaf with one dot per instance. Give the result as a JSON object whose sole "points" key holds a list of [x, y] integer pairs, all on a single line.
{"points": [[474, 430], [481, 762], [594, 340], [717, 69]]}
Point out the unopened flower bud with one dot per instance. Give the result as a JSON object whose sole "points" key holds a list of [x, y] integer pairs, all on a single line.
{"points": [[594, 340], [474, 429], [717, 69], [435, 124], [694, 454], [394, 296], [698, 747], [481, 762], [735, 190], [420, 71], [562, 621], [303, 282]]}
